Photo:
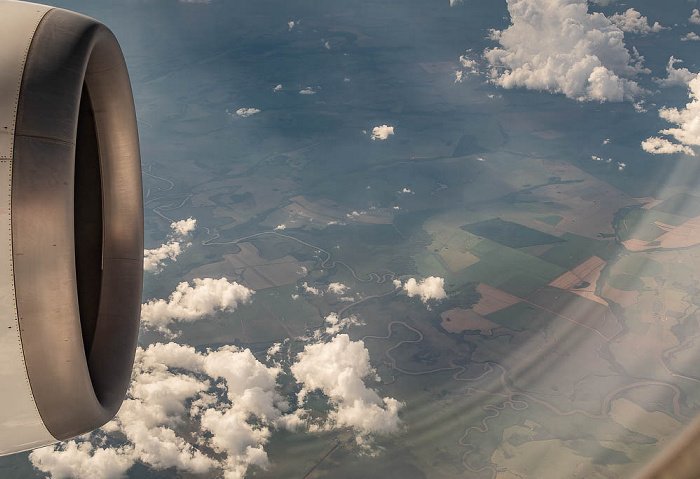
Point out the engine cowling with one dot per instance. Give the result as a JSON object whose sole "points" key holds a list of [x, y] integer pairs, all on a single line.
{"points": [[71, 225]]}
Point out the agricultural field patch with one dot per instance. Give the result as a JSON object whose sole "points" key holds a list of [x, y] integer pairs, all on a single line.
{"points": [[510, 234], [682, 204]]}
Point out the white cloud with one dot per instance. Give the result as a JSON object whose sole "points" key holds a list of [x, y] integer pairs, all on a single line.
{"points": [[189, 303], [382, 132], [338, 368], [606, 141], [277, 88], [687, 121], [246, 112], [639, 106], [326, 44], [662, 146], [280, 227], [695, 16], [634, 22], [307, 91], [154, 259], [311, 290], [676, 76], [469, 66], [690, 37], [174, 384], [557, 46], [213, 412], [291, 24], [407, 191], [83, 461], [337, 288], [184, 227], [429, 288], [336, 324]]}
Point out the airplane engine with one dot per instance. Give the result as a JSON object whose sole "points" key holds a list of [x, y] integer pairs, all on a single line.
{"points": [[71, 225]]}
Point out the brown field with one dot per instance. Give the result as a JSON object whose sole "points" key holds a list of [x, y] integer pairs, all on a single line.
{"points": [[589, 272], [255, 272], [466, 320], [683, 236], [493, 300]]}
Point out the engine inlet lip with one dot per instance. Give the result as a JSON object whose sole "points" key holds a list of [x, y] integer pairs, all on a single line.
{"points": [[75, 392]]}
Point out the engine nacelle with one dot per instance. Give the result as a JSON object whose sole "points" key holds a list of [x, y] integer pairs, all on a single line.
{"points": [[71, 226]]}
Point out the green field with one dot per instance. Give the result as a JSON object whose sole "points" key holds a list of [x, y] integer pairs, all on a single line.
{"points": [[626, 282], [522, 316], [551, 220], [508, 269], [575, 250], [638, 265], [681, 204], [510, 234]]}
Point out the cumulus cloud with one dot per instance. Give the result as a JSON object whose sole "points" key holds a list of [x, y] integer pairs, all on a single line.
{"points": [[277, 88], [686, 133], [382, 132], [307, 91], [335, 324], [676, 76], [190, 303], [690, 37], [558, 46], [246, 112], [695, 16], [310, 289], [82, 460], [634, 22], [213, 412], [428, 288], [338, 369], [337, 288], [469, 66], [154, 259], [662, 146], [184, 227], [291, 24], [173, 384]]}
